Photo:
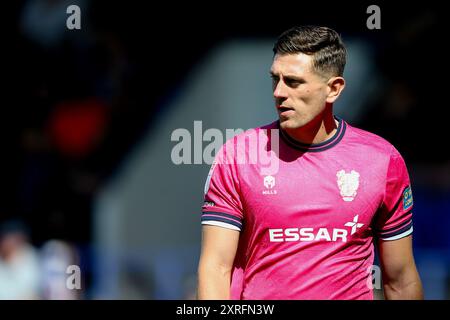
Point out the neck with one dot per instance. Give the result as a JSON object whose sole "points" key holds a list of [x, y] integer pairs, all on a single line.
{"points": [[318, 130]]}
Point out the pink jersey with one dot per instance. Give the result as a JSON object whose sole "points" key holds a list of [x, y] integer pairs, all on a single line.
{"points": [[308, 227]]}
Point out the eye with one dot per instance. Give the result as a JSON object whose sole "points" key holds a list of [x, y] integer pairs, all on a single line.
{"points": [[293, 83]]}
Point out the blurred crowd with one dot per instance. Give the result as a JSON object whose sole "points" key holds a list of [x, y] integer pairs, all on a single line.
{"points": [[71, 118], [27, 272]]}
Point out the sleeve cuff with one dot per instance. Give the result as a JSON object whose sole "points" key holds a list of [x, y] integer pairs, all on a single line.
{"points": [[222, 219], [220, 224], [398, 236]]}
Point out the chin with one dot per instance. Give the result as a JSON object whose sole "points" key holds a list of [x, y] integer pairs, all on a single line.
{"points": [[290, 124]]}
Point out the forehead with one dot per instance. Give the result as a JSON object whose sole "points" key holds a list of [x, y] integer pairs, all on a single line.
{"points": [[298, 63]]}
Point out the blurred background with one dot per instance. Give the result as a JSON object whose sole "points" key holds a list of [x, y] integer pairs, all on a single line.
{"points": [[89, 115]]}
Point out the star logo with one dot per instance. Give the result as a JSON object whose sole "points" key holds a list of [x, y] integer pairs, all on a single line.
{"points": [[354, 224]]}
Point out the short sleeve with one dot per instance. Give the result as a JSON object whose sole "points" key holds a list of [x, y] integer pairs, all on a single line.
{"points": [[222, 205], [394, 219]]}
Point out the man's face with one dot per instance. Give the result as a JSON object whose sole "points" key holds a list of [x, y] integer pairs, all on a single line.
{"points": [[300, 93]]}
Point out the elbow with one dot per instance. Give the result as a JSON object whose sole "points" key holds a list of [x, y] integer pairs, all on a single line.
{"points": [[404, 288], [213, 282], [206, 269]]}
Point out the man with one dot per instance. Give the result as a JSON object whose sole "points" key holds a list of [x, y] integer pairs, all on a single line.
{"points": [[307, 231]]}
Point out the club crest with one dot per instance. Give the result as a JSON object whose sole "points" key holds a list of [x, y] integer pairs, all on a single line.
{"points": [[348, 184]]}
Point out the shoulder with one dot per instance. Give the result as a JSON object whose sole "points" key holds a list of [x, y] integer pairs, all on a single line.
{"points": [[370, 142], [243, 143], [256, 132]]}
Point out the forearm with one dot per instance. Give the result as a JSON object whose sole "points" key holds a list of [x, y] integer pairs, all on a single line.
{"points": [[213, 283]]}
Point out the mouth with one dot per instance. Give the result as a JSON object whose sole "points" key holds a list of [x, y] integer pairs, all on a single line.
{"points": [[283, 110]]}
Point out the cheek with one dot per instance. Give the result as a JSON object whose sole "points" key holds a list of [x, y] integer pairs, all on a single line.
{"points": [[319, 95], [308, 96]]}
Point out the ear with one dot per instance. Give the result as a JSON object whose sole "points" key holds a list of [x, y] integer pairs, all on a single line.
{"points": [[335, 87]]}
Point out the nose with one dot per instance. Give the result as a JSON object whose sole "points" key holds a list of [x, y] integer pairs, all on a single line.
{"points": [[279, 90]]}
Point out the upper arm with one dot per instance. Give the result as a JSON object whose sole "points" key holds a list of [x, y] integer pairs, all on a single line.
{"points": [[219, 246], [393, 227], [396, 259], [223, 214], [400, 277]]}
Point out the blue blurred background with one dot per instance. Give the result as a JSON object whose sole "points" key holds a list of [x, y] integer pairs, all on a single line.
{"points": [[88, 177]]}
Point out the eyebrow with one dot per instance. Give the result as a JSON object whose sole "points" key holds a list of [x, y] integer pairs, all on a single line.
{"points": [[288, 76]]}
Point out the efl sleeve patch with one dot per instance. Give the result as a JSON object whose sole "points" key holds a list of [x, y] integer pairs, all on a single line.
{"points": [[407, 198]]}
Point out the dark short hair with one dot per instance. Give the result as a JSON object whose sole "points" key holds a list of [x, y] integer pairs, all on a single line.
{"points": [[323, 43]]}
